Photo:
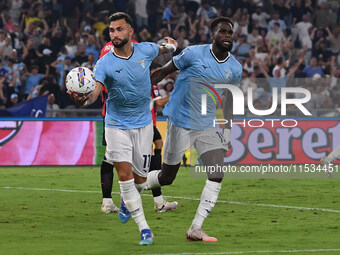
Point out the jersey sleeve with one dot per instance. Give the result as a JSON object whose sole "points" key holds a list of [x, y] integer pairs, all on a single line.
{"points": [[184, 59], [98, 70], [150, 49]]}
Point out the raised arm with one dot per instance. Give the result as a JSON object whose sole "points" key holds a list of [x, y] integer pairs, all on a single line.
{"points": [[161, 73], [169, 46]]}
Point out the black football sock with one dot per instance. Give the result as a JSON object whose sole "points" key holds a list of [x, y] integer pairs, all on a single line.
{"points": [[156, 164], [106, 176]]}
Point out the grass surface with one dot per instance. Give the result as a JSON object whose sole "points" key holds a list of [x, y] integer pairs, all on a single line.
{"points": [[61, 222]]}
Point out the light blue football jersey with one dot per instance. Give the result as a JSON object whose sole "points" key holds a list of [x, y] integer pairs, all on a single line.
{"points": [[200, 71], [127, 81]]}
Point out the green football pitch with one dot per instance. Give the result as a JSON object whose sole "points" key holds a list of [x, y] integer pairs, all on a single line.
{"points": [[56, 210]]}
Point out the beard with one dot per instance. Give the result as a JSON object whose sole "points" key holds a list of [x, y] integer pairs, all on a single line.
{"points": [[121, 44], [224, 48]]}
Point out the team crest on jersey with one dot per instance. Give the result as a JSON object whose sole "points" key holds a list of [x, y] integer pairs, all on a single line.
{"points": [[227, 73], [142, 63], [181, 54]]}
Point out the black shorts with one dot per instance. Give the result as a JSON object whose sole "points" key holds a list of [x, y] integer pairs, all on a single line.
{"points": [[156, 134], [104, 141]]}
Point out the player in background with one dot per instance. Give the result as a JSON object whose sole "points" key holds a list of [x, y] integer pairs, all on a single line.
{"points": [[332, 156], [128, 122], [160, 204], [200, 67], [106, 169]]}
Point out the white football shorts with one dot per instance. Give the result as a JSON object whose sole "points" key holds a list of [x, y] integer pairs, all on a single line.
{"points": [[130, 145], [179, 139]]}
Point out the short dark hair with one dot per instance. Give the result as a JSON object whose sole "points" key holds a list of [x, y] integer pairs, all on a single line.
{"points": [[216, 21], [121, 15]]}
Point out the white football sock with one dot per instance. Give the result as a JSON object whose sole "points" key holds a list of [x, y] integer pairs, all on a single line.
{"points": [[152, 180], [133, 202], [334, 154], [159, 200], [208, 200], [140, 187], [107, 201]]}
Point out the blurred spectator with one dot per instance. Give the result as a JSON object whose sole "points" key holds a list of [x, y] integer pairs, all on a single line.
{"points": [[14, 99], [90, 63], [260, 18], [312, 69], [92, 47], [322, 52], [276, 20], [241, 48], [52, 107], [14, 10], [335, 38], [29, 55], [320, 17], [168, 15], [32, 79], [5, 44], [206, 11], [144, 35], [11, 76], [275, 37], [63, 65], [253, 37], [80, 56], [3, 93], [303, 27], [301, 8], [167, 89], [141, 13]]}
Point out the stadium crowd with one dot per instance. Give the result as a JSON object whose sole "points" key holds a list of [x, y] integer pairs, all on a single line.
{"points": [[41, 40]]}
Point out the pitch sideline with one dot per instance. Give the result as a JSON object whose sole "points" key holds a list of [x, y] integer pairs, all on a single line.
{"points": [[249, 252], [186, 198]]}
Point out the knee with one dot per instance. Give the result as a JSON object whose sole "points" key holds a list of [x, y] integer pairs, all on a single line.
{"points": [[165, 180], [158, 144], [215, 179], [124, 176]]}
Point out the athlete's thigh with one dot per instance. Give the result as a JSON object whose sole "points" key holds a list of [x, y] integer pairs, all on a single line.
{"points": [[209, 140], [177, 141], [119, 145], [142, 148]]}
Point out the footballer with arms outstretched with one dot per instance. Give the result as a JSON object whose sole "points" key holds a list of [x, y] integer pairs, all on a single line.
{"points": [[128, 122], [200, 67]]}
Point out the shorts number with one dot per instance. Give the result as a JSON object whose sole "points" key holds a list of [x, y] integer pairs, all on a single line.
{"points": [[223, 141], [147, 161]]}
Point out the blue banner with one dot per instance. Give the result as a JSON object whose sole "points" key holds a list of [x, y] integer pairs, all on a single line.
{"points": [[35, 108]]}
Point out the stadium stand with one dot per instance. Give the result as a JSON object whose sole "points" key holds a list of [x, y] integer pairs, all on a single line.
{"points": [[270, 37]]}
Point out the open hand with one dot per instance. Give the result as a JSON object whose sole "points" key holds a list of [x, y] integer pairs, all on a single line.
{"points": [[81, 100]]}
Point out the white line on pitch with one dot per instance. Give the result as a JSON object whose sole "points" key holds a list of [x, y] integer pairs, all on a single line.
{"points": [[186, 198], [248, 252]]}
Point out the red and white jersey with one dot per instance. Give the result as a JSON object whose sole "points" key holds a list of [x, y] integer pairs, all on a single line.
{"points": [[103, 52], [154, 96]]}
